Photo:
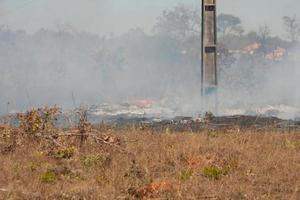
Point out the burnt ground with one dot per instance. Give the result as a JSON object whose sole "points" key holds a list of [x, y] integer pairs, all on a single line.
{"points": [[215, 123], [179, 124]]}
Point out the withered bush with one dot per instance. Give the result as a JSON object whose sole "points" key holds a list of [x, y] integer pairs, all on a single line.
{"points": [[38, 121]]}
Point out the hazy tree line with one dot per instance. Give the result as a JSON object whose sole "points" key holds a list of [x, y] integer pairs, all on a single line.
{"points": [[52, 67]]}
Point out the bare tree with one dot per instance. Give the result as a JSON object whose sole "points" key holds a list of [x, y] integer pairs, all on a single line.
{"points": [[264, 32], [182, 22], [292, 27]]}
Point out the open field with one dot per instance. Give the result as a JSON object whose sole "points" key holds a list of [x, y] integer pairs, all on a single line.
{"points": [[101, 162]]}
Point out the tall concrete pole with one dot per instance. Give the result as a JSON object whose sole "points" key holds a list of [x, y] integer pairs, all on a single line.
{"points": [[209, 70]]}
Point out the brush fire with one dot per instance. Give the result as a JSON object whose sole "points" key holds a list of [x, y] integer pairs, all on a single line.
{"points": [[174, 100]]}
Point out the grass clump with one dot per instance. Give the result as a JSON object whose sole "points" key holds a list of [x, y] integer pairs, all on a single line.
{"points": [[185, 175], [96, 160], [212, 134], [214, 172], [38, 154], [66, 153], [48, 177], [290, 144], [102, 179], [16, 168], [34, 165]]}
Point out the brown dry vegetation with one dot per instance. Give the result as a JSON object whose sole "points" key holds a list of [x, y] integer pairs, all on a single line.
{"points": [[132, 163]]}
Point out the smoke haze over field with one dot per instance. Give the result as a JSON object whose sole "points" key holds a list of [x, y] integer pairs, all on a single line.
{"points": [[106, 16], [54, 52]]}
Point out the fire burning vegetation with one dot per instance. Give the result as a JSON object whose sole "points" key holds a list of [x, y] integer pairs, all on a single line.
{"points": [[165, 124]]}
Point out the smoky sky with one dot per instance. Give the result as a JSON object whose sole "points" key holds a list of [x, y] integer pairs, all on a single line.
{"points": [[48, 65], [107, 16]]}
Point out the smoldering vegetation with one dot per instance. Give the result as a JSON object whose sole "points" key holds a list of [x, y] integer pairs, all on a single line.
{"points": [[69, 68]]}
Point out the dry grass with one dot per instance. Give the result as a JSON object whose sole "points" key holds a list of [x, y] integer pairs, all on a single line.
{"points": [[130, 163]]}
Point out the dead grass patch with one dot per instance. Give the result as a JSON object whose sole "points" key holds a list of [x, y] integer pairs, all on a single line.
{"points": [[131, 163]]}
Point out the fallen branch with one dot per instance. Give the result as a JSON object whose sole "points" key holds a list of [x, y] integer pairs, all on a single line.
{"points": [[54, 141]]}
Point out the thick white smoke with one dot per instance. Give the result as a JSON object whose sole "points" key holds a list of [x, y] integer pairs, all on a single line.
{"points": [[65, 66]]}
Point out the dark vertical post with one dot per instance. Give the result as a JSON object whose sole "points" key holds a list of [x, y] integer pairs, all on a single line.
{"points": [[202, 49], [209, 72], [209, 77]]}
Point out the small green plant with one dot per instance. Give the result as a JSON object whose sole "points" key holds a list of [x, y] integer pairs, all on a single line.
{"points": [[185, 175], [97, 160], [16, 168], [48, 177], [214, 172], [66, 153], [212, 134]]}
